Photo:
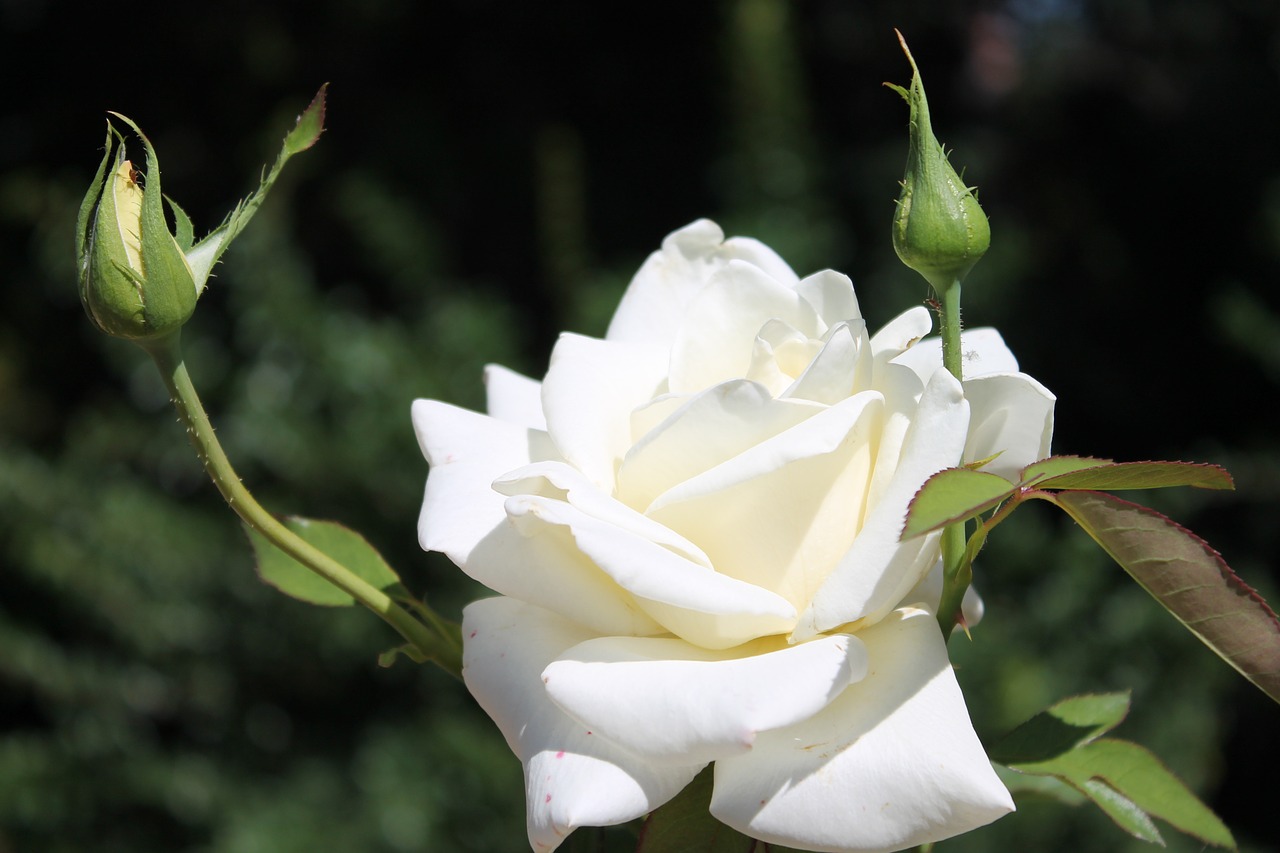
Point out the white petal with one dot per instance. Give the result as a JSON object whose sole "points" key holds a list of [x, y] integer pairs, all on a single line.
{"points": [[653, 307], [1012, 416], [690, 600], [588, 395], [543, 565], [466, 452], [513, 397], [841, 367], [982, 350], [781, 514], [878, 570], [573, 777], [902, 390], [901, 333], [721, 323], [466, 519], [890, 764], [562, 482], [779, 354], [671, 701], [706, 430], [831, 295]]}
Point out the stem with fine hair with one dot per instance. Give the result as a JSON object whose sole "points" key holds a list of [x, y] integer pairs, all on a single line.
{"points": [[957, 573], [167, 355]]}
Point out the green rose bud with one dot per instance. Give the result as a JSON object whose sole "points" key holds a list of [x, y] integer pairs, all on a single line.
{"points": [[940, 230], [135, 281]]}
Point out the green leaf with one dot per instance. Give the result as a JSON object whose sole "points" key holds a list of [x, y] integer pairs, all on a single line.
{"points": [[1141, 475], [1123, 811], [1062, 727], [388, 658], [204, 254], [685, 824], [1137, 785], [1100, 711], [1056, 466], [1051, 787], [310, 125], [291, 577], [1188, 577], [954, 495]]}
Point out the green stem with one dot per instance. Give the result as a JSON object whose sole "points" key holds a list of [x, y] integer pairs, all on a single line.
{"points": [[168, 358], [949, 317], [957, 573]]}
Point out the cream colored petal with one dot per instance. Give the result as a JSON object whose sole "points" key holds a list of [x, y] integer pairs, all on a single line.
{"points": [[780, 514], [573, 776], [513, 397], [715, 343], [892, 763], [982, 351], [703, 606], [831, 295], [467, 451], [673, 702], [654, 306], [1012, 416], [901, 334], [706, 430], [588, 395], [840, 369], [878, 570]]}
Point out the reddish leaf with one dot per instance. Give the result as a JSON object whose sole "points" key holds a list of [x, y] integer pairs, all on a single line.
{"points": [[1136, 475], [1188, 577]]}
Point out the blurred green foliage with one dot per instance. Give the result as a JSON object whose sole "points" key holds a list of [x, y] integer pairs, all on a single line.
{"points": [[493, 174]]}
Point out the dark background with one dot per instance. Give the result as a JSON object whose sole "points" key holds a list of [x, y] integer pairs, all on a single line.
{"points": [[493, 173]]}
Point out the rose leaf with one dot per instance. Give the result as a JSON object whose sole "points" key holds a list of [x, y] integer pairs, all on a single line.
{"points": [[278, 569], [1056, 466], [309, 126], [1188, 577], [954, 495], [1134, 475], [1062, 727], [1132, 786]]}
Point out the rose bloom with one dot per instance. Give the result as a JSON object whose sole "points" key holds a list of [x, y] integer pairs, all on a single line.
{"points": [[693, 527]]}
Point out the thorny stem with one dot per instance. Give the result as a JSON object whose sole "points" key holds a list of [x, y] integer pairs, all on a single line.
{"points": [[439, 646]]}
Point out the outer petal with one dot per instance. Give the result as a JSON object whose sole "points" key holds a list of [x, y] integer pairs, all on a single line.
{"points": [[831, 295], [466, 518], [901, 333], [589, 394], [892, 763], [653, 308], [466, 452], [1012, 416], [674, 702], [983, 350], [878, 570], [541, 564], [513, 397], [573, 777]]}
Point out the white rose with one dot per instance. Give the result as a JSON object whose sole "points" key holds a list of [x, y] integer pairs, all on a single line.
{"points": [[693, 525]]}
